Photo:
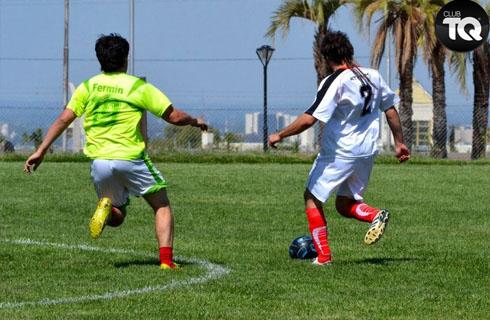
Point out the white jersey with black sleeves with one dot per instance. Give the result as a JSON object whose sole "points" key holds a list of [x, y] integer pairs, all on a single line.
{"points": [[350, 106]]}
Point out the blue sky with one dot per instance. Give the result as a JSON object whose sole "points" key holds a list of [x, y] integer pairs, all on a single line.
{"points": [[177, 43]]}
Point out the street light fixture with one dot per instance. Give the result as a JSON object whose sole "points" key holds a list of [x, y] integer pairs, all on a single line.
{"points": [[265, 54]]}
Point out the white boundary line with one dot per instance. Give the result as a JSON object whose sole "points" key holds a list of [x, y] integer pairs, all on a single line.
{"points": [[213, 271]]}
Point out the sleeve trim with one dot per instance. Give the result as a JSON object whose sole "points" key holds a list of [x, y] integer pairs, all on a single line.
{"points": [[138, 83], [323, 90]]}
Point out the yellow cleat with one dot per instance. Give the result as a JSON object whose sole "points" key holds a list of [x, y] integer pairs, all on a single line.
{"points": [[165, 266], [99, 219]]}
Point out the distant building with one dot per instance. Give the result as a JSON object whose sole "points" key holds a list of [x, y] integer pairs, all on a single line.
{"points": [[422, 121], [283, 120], [6, 133], [463, 137], [77, 135], [307, 140], [207, 140], [73, 136], [6, 146], [276, 122], [252, 123]]}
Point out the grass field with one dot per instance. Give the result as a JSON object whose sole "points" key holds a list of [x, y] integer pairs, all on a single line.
{"points": [[433, 263]]}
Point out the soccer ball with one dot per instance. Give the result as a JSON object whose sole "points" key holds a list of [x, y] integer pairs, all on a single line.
{"points": [[302, 248]]}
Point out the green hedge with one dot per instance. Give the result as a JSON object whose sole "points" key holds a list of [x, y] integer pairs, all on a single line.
{"points": [[230, 157]]}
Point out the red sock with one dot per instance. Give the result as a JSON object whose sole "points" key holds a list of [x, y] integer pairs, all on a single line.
{"points": [[319, 233], [166, 256], [363, 212]]}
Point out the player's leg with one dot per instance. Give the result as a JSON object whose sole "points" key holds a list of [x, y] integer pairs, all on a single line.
{"points": [[164, 226], [324, 178], [142, 178], [317, 225], [350, 202], [117, 216], [356, 209], [113, 198]]}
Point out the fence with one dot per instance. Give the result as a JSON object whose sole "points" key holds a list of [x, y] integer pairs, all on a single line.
{"points": [[231, 130]]}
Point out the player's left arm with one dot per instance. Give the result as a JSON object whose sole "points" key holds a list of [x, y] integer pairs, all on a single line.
{"points": [[180, 118], [160, 105], [401, 150], [299, 125], [58, 126]]}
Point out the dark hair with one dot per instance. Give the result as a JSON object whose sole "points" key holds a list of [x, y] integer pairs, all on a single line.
{"points": [[112, 51], [337, 48]]}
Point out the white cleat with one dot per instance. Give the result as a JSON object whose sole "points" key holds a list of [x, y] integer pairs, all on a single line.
{"points": [[377, 228], [315, 262]]}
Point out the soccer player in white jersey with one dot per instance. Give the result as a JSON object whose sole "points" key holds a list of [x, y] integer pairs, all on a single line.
{"points": [[349, 103]]}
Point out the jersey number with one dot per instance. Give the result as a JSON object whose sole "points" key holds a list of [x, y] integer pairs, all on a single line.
{"points": [[367, 94]]}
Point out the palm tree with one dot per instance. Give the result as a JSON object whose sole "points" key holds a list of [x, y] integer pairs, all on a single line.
{"points": [[316, 11], [439, 130], [405, 19], [481, 82], [435, 55]]}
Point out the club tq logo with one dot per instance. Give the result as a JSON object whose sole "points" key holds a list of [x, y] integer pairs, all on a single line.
{"points": [[462, 25], [459, 25]]}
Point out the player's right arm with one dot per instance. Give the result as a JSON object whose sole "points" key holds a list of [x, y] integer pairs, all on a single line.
{"points": [[58, 126], [322, 109], [75, 108], [299, 125], [180, 118], [401, 150]]}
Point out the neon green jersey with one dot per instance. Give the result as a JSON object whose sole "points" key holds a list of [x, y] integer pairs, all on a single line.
{"points": [[113, 104]]}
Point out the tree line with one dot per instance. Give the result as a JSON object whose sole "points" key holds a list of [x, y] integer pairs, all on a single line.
{"points": [[412, 25]]}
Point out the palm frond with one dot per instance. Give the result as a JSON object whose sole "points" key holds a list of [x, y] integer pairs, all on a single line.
{"points": [[379, 44], [281, 18], [363, 11], [458, 62], [316, 11], [427, 40], [322, 10], [398, 38], [319, 13]]}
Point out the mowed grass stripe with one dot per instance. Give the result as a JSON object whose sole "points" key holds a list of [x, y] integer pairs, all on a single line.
{"points": [[433, 263]]}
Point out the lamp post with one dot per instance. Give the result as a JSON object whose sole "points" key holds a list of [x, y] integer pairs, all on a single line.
{"points": [[131, 38], [265, 54], [66, 62]]}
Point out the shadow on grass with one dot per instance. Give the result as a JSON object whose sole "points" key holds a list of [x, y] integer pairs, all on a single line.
{"points": [[147, 262], [383, 261]]}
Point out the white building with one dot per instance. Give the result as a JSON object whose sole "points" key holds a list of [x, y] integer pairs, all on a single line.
{"points": [[6, 133], [74, 133], [252, 123], [422, 121], [463, 137], [207, 140], [307, 140], [283, 120], [277, 121]]}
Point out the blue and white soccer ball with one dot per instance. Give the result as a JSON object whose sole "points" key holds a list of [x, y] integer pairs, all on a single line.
{"points": [[302, 248]]}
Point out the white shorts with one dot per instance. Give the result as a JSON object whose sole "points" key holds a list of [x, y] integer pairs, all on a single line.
{"points": [[116, 179], [349, 176]]}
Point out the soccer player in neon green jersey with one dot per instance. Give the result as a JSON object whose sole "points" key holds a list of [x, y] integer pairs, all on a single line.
{"points": [[113, 103]]}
